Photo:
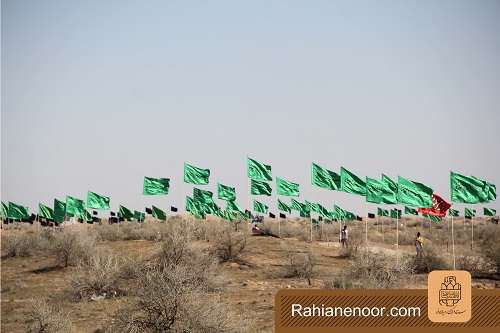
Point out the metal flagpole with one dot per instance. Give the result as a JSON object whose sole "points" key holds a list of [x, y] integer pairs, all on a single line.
{"points": [[382, 228], [453, 242], [366, 232], [472, 233], [311, 221], [397, 230]]}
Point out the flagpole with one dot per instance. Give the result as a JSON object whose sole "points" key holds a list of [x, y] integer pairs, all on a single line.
{"points": [[366, 232], [397, 230], [472, 233], [453, 242], [310, 219]]}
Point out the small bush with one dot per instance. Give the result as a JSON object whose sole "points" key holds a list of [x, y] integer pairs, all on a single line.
{"points": [[18, 245], [98, 277], [471, 264], [71, 247], [229, 245], [490, 245], [46, 318], [300, 265], [429, 262]]}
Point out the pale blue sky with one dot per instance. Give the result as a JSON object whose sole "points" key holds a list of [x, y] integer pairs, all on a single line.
{"points": [[98, 94]]}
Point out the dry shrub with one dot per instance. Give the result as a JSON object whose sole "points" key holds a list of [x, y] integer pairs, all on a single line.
{"points": [[300, 265], [44, 317], [472, 264], [97, 277], [229, 245], [490, 245], [429, 262], [17, 245], [71, 247]]}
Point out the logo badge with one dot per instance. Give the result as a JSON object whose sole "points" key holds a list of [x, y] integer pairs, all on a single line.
{"points": [[449, 296]]}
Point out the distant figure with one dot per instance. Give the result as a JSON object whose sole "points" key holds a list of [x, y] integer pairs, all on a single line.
{"points": [[419, 245], [344, 236]]}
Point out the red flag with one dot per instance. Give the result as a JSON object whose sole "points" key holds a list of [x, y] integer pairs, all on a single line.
{"points": [[439, 207]]}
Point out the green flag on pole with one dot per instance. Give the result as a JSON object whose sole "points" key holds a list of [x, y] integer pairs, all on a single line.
{"points": [[453, 212], [284, 207], [125, 213], [17, 212], [410, 211], [287, 188], [158, 213], [324, 178], [312, 206], [339, 212], [258, 170], [302, 208], [59, 211], [389, 193], [3, 210], [382, 212], [395, 213], [260, 207], [75, 207], [414, 194], [226, 192], [350, 216], [45, 212], [139, 216], [490, 212], [195, 175], [97, 201], [194, 208], [351, 183], [156, 186], [233, 206], [203, 196], [374, 190], [469, 190], [258, 187], [469, 212], [433, 218], [492, 192]]}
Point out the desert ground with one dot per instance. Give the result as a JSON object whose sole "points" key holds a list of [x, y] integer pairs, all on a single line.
{"points": [[215, 276]]}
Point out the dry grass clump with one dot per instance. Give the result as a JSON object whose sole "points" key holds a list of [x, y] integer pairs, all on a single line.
{"points": [[490, 245], [17, 245], [429, 262], [229, 245], [300, 265], [44, 317], [72, 247]]}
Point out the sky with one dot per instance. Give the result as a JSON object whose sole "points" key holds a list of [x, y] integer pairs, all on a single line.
{"points": [[98, 94]]}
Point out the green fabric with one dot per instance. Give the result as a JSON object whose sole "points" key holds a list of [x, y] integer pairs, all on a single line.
{"points": [[97, 201], [194, 208], [453, 212], [312, 206], [339, 213], [226, 192], [395, 214], [287, 188], [158, 213], [139, 216], [382, 212], [389, 193], [17, 212], [302, 208], [324, 178], [433, 218], [88, 217], [258, 187], [260, 207], [156, 186], [233, 206], [195, 175], [490, 212], [284, 207], [59, 211], [3, 210], [204, 199], [492, 192], [374, 190], [75, 207], [469, 212], [322, 210], [414, 194], [469, 190], [258, 170], [45, 212], [349, 216], [410, 211], [351, 183], [125, 213]]}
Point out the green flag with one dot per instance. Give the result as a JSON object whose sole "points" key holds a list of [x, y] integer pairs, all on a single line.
{"points": [[489, 212], [433, 218], [351, 183], [156, 186], [258, 170], [195, 175], [492, 192], [382, 212], [414, 194], [194, 208], [410, 211], [125, 213], [233, 206], [339, 212], [469, 212], [349, 216], [395, 213], [45, 212], [468, 189], [453, 212], [59, 211], [88, 217], [139, 216], [374, 190], [260, 207], [158, 213], [3, 210], [325, 178], [75, 207], [312, 206], [322, 210], [204, 197], [287, 188], [284, 207], [97, 201], [226, 192], [389, 193], [258, 187], [302, 208], [17, 212]]}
